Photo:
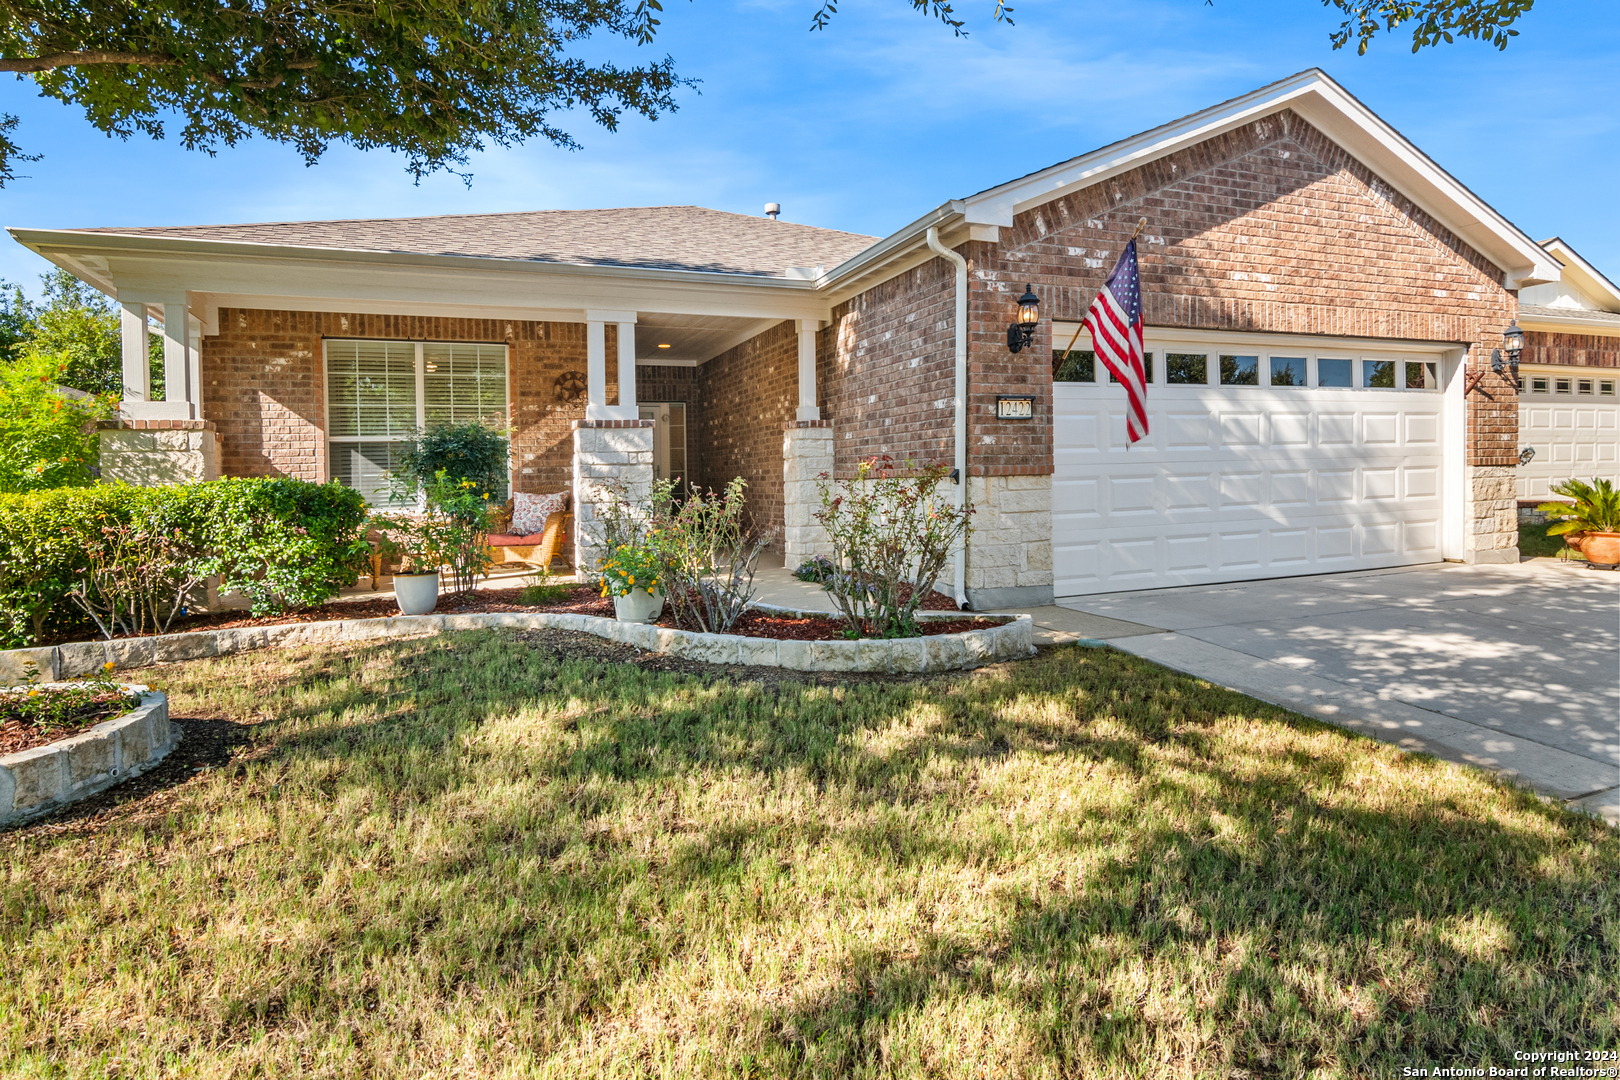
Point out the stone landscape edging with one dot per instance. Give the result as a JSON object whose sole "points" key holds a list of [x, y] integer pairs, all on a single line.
{"points": [[46, 778], [1011, 640]]}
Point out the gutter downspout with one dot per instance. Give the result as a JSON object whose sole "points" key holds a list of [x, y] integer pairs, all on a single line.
{"points": [[959, 573]]}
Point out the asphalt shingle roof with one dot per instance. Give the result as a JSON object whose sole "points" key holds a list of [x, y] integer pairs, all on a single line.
{"points": [[657, 237], [1596, 318]]}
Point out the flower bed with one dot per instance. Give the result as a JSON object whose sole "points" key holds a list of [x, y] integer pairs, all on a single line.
{"points": [[577, 600], [33, 716], [73, 765]]}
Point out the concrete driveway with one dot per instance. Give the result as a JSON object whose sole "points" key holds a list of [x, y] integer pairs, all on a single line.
{"points": [[1513, 668]]}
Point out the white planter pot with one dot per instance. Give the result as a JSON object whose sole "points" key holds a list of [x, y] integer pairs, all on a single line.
{"points": [[417, 594], [639, 606]]}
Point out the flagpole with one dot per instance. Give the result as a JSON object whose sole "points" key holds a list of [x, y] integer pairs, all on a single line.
{"points": [[1140, 225]]}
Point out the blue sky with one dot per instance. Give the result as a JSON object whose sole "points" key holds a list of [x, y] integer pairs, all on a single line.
{"points": [[884, 115]]}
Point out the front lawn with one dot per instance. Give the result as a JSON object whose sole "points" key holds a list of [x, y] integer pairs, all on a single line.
{"points": [[498, 854]]}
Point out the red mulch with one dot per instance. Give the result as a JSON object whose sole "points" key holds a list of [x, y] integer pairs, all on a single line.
{"points": [[16, 734], [582, 600]]}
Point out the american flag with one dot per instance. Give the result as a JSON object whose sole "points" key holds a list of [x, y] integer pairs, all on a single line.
{"points": [[1115, 322]]}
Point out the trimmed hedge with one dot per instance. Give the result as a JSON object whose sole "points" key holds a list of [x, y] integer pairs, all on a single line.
{"points": [[283, 543]]}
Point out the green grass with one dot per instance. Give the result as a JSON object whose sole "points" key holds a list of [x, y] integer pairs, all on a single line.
{"points": [[467, 856], [1535, 543]]}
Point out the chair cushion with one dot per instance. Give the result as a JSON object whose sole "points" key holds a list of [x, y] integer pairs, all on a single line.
{"points": [[529, 512], [510, 540]]}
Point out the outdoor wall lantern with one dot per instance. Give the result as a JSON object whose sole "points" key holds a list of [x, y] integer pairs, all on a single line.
{"points": [[1021, 334], [1513, 338]]}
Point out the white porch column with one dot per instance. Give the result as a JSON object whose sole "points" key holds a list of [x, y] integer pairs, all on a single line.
{"points": [[176, 365], [627, 367], [194, 365], [137, 368], [596, 406], [808, 410]]}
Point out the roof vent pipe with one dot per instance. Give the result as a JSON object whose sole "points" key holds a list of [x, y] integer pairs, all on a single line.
{"points": [[960, 568], [772, 209]]}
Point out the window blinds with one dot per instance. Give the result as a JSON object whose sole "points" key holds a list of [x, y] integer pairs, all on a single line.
{"points": [[461, 383], [371, 388]]}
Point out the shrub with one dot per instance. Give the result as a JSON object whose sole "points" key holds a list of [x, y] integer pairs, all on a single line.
{"points": [[818, 569], [451, 531], [709, 554], [706, 553], [283, 543], [469, 451], [891, 534], [49, 437]]}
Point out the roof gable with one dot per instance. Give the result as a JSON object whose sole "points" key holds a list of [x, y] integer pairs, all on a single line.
{"points": [[1316, 98]]}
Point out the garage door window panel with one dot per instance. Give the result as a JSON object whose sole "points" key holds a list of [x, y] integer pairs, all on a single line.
{"points": [[1240, 370], [1378, 374], [1287, 370], [1334, 372], [1186, 369], [1076, 365]]}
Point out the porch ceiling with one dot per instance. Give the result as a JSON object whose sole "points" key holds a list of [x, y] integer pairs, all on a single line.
{"points": [[692, 339]]}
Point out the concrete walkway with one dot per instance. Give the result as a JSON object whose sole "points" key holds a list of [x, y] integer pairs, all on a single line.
{"points": [[1515, 669]]}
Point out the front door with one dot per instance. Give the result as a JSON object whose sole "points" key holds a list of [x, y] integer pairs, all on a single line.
{"points": [[669, 438]]}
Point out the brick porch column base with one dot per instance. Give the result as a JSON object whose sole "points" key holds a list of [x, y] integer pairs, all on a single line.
{"points": [[152, 452], [606, 450], [1490, 515], [807, 452]]}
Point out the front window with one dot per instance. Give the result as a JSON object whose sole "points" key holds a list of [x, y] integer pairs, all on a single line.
{"points": [[378, 393]]}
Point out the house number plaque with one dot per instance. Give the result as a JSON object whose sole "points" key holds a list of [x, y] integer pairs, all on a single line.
{"points": [[1015, 406]]}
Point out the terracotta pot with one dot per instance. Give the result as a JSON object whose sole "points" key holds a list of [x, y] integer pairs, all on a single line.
{"points": [[1601, 549], [1574, 539], [639, 606]]}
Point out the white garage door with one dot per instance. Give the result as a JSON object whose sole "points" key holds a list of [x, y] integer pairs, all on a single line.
{"points": [[1261, 462], [1571, 418]]}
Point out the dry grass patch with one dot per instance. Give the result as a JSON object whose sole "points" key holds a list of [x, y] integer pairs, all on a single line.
{"points": [[479, 855]]}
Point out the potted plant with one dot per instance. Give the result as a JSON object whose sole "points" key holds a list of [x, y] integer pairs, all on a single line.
{"points": [[631, 574], [413, 539], [1593, 517]]}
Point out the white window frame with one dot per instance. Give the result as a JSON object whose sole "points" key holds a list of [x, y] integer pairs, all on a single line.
{"points": [[421, 400]]}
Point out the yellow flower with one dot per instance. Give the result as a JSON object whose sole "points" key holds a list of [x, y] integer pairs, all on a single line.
{"points": [[108, 666], [33, 693], [632, 579]]}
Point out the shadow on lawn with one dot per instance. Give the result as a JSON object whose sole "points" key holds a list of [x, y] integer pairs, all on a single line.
{"points": [[1244, 874]]}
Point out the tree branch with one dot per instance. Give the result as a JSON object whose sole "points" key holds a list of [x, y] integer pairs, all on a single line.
{"points": [[78, 59]]}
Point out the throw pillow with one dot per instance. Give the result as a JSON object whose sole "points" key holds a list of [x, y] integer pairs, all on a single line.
{"points": [[529, 512]]}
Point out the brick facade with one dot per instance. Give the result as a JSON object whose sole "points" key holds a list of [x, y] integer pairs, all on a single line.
{"points": [[745, 395], [1271, 228], [1571, 350], [264, 387]]}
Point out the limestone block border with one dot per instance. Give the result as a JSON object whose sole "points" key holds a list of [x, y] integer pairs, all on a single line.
{"points": [[1012, 640], [46, 778]]}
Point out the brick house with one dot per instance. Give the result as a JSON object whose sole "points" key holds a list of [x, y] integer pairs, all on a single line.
{"points": [[1322, 302]]}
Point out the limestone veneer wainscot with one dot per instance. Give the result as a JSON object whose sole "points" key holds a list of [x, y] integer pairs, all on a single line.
{"points": [[46, 778]]}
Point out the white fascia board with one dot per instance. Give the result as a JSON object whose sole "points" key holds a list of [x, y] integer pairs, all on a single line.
{"points": [[1333, 111], [898, 247], [140, 266], [1583, 275]]}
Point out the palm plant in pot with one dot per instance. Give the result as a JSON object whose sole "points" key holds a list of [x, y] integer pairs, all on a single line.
{"points": [[1591, 523]]}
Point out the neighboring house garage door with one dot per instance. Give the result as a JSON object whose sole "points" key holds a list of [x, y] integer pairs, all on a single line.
{"points": [[1261, 461], [1571, 418]]}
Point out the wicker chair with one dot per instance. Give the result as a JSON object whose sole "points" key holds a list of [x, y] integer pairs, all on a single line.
{"points": [[537, 549]]}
